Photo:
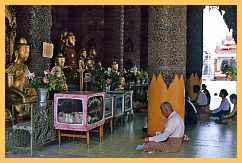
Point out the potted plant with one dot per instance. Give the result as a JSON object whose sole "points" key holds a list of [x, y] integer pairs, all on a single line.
{"points": [[230, 71], [106, 80], [46, 82]]}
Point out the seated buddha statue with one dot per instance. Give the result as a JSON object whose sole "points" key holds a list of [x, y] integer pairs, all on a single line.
{"points": [[17, 72]]}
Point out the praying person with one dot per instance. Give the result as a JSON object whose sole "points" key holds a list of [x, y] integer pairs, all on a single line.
{"points": [[232, 117], [170, 139], [224, 107]]}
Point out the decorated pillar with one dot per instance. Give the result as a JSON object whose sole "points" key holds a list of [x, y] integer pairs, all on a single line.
{"points": [[144, 38], [113, 35], [166, 61], [194, 48], [34, 23]]}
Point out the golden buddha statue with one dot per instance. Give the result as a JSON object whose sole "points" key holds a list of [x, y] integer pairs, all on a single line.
{"points": [[58, 69], [114, 67], [99, 65], [90, 65], [93, 52], [17, 79], [83, 56], [63, 39], [122, 83]]}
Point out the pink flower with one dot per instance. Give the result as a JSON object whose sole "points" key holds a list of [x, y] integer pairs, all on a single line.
{"points": [[45, 80], [109, 81], [47, 72]]}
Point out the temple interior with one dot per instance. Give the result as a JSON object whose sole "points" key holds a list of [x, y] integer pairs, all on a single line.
{"points": [[89, 81]]}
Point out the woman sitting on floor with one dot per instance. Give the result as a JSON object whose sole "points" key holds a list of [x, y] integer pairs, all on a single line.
{"points": [[232, 117], [224, 107]]}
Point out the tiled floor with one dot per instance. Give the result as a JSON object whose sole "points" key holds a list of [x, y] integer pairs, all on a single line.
{"points": [[209, 140]]}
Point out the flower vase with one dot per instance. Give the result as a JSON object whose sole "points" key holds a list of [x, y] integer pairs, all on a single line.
{"points": [[43, 94]]}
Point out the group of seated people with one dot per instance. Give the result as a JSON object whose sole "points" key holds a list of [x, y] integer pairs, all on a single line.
{"points": [[194, 110], [170, 139]]}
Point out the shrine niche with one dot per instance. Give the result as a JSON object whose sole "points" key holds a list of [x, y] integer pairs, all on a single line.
{"points": [[10, 30]]}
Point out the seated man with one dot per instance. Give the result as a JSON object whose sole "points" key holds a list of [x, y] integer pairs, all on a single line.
{"points": [[201, 99], [191, 116], [170, 139], [207, 93]]}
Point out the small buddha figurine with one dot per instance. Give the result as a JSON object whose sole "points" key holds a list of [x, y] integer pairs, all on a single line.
{"points": [[17, 78], [58, 69], [115, 75], [90, 68], [63, 39], [90, 65], [83, 54], [114, 67], [93, 52], [82, 59], [99, 65], [122, 83]]}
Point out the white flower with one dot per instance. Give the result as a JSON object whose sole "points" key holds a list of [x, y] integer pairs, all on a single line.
{"points": [[109, 70], [31, 75]]}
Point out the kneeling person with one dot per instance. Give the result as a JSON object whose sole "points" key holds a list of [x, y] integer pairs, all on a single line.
{"points": [[170, 139]]}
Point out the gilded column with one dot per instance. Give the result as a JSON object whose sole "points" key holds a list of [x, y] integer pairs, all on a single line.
{"points": [[113, 35], [34, 23], [166, 61], [194, 48]]}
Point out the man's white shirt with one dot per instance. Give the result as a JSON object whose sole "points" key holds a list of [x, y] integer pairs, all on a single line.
{"points": [[224, 105], [201, 98], [174, 128]]}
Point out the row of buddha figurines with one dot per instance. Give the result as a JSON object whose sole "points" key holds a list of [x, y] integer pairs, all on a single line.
{"points": [[17, 89]]}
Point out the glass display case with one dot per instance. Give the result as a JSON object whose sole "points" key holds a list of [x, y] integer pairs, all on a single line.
{"points": [[79, 111], [128, 98], [118, 105], [109, 106]]}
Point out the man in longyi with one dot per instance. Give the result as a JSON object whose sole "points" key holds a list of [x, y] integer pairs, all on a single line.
{"points": [[170, 139]]}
